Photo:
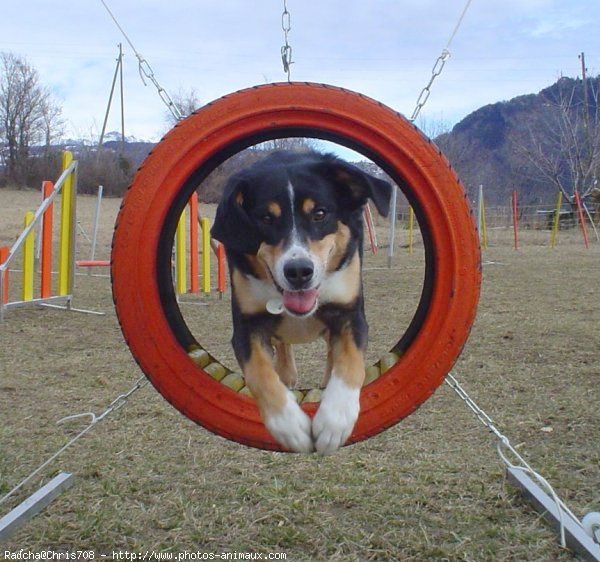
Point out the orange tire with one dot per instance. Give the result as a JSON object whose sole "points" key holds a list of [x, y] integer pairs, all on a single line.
{"points": [[143, 238]]}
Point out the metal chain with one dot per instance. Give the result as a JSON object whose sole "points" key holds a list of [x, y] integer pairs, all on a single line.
{"points": [[435, 72], [145, 69], [438, 66], [286, 50]]}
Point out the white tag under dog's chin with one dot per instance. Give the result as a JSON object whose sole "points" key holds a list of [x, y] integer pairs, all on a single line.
{"points": [[275, 306]]}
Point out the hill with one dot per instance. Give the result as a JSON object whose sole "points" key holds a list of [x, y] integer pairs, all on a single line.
{"points": [[496, 145]]}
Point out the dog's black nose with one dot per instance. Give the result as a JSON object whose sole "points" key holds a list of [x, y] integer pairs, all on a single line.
{"points": [[299, 272]]}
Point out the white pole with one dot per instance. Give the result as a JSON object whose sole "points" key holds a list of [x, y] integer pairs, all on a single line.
{"points": [[392, 234], [587, 212], [96, 221], [480, 209], [1, 295]]}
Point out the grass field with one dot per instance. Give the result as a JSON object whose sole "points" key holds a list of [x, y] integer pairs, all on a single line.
{"points": [[429, 489]]}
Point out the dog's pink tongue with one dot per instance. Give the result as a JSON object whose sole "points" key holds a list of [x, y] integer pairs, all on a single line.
{"points": [[300, 302]]}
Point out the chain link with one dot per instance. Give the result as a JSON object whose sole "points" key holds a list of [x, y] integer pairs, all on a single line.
{"points": [[286, 49], [439, 65], [435, 72], [145, 69]]}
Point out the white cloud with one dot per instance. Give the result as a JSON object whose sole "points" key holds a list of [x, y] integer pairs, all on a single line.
{"points": [[557, 25]]}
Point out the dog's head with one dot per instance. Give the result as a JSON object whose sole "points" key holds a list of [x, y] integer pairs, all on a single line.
{"points": [[297, 215]]}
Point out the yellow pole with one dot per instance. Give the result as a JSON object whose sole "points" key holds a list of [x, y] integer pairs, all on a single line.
{"points": [[180, 257], [28, 259], [556, 222], [67, 229], [411, 229], [205, 255]]}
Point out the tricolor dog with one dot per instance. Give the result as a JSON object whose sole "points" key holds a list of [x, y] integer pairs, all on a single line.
{"points": [[292, 228]]}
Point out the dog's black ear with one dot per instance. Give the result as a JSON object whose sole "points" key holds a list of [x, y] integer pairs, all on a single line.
{"points": [[358, 186], [233, 226]]}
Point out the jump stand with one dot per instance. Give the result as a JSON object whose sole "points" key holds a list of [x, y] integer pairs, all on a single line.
{"points": [[43, 218]]}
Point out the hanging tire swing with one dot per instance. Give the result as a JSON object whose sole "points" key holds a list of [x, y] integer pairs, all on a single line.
{"points": [[191, 379]]}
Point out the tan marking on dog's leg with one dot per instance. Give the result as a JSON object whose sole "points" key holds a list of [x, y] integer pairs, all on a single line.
{"points": [[282, 416], [348, 360], [285, 364], [263, 380]]}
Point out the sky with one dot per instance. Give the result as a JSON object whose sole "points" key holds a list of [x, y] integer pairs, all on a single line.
{"points": [[385, 49]]}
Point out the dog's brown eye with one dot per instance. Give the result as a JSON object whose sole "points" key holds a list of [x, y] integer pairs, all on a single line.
{"points": [[267, 219], [319, 215]]}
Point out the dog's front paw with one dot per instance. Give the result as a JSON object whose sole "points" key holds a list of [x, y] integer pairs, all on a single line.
{"points": [[291, 427], [336, 416]]}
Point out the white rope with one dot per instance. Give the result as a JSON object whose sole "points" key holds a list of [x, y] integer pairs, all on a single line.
{"points": [[115, 405], [458, 24], [145, 69], [438, 66], [523, 465]]}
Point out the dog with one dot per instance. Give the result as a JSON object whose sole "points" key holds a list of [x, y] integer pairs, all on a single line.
{"points": [[292, 228]]}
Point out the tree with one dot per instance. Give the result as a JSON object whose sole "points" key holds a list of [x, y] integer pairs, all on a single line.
{"points": [[53, 125], [564, 146], [27, 115], [294, 144], [186, 103]]}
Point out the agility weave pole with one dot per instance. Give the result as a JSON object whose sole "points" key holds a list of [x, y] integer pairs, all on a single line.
{"points": [[92, 262], [187, 260], [66, 187]]}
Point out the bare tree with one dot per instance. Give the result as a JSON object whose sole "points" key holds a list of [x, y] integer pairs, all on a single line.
{"points": [[54, 125], [564, 146], [27, 114], [295, 144], [186, 103], [433, 128]]}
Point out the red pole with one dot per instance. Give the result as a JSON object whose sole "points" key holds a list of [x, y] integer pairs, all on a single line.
{"points": [[194, 284], [515, 219], [221, 268], [47, 226], [581, 219], [4, 251]]}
